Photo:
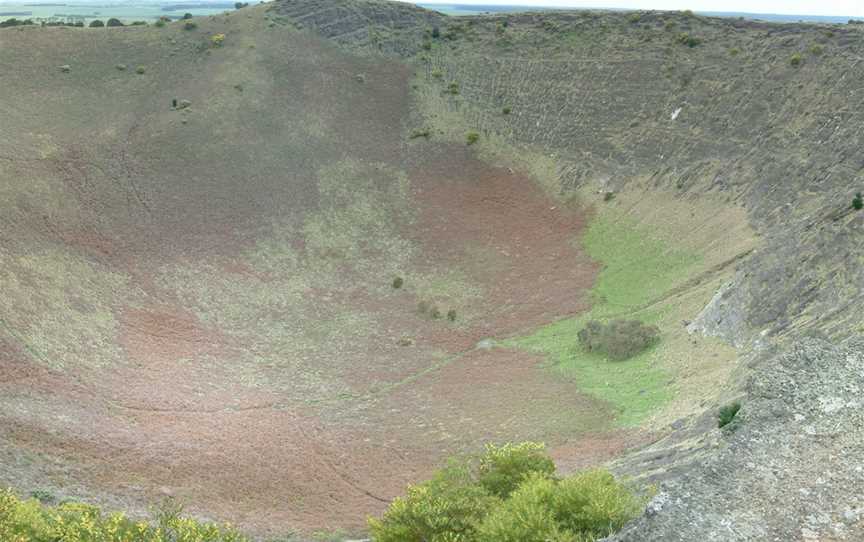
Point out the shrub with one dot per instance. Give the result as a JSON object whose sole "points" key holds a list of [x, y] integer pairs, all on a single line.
{"points": [[397, 283], [816, 49], [450, 506], [96, 24], [160, 23], [619, 339], [190, 25], [420, 132], [526, 517], [187, 15], [472, 137], [43, 496], [727, 414], [139, 23], [734, 51], [451, 315], [217, 40], [506, 110], [858, 202], [688, 40], [795, 60], [453, 88], [503, 468], [31, 521], [15, 22], [437, 74], [140, 70], [592, 504], [427, 46], [532, 506], [113, 22], [436, 32]]}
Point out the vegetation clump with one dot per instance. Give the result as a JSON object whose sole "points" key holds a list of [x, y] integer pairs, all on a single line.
{"points": [[472, 137], [618, 339], [420, 132], [508, 494], [688, 40], [190, 25], [858, 202], [16, 22], [32, 521], [728, 414], [795, 60], [96, 24], [217, 40], [397, 283], [114, 22]]}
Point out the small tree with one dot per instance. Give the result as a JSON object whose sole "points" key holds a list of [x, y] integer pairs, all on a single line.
{"points": [[858, 202], [187, 15], [114, 22], [97, 24]]}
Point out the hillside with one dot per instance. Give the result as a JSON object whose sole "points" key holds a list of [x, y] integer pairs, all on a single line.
{"points": [[201, 241]]}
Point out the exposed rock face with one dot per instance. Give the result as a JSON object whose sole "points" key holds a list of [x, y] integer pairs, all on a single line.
{"points": [[790, 471]]}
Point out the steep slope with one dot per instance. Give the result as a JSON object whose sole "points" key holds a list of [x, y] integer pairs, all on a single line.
{"points": [[659, 108], [199, 296]]}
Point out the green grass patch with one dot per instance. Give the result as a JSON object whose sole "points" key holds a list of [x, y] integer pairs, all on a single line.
{"points": [[638, 269]]}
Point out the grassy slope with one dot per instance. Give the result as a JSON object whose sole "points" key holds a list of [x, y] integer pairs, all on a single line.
{"points": [[636, 269]]}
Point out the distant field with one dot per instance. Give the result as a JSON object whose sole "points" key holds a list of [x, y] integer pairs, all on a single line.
{"points": [[468, 9], [126, 12]]}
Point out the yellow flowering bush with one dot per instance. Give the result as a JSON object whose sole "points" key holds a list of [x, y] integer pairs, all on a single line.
{"points": [[31, 521], [217, 40]]}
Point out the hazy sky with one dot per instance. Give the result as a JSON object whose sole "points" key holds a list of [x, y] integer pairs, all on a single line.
{"points": [[799, 7]]}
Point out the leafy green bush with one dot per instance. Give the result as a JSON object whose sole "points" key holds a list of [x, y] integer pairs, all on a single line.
{"points": [[448, 507], [509, 495], [160, 23], [816, 49], [398, 282], [114, 22], [31, 521], [727, 414], [503, 468], [858, 202], [96, 24], [451, 315], [795, 60], [472, 137], [619, 339], [506, 110], [190, 25]]}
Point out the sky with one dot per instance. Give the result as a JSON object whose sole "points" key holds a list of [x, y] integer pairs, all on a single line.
{"points": [[846, 8]]}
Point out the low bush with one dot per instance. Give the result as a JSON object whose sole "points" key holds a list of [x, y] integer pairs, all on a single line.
{"points": [[502, 468], [858, 202], [32, 521], [506, 110], [688, 40], [160, 23], [398, 282], [472, 137], [728, 414], [16, 22], [190, 25], [114, 22], [508, 494], [795, 60], [187, 16], [451, 315], [96, 24], [618, 339]]}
